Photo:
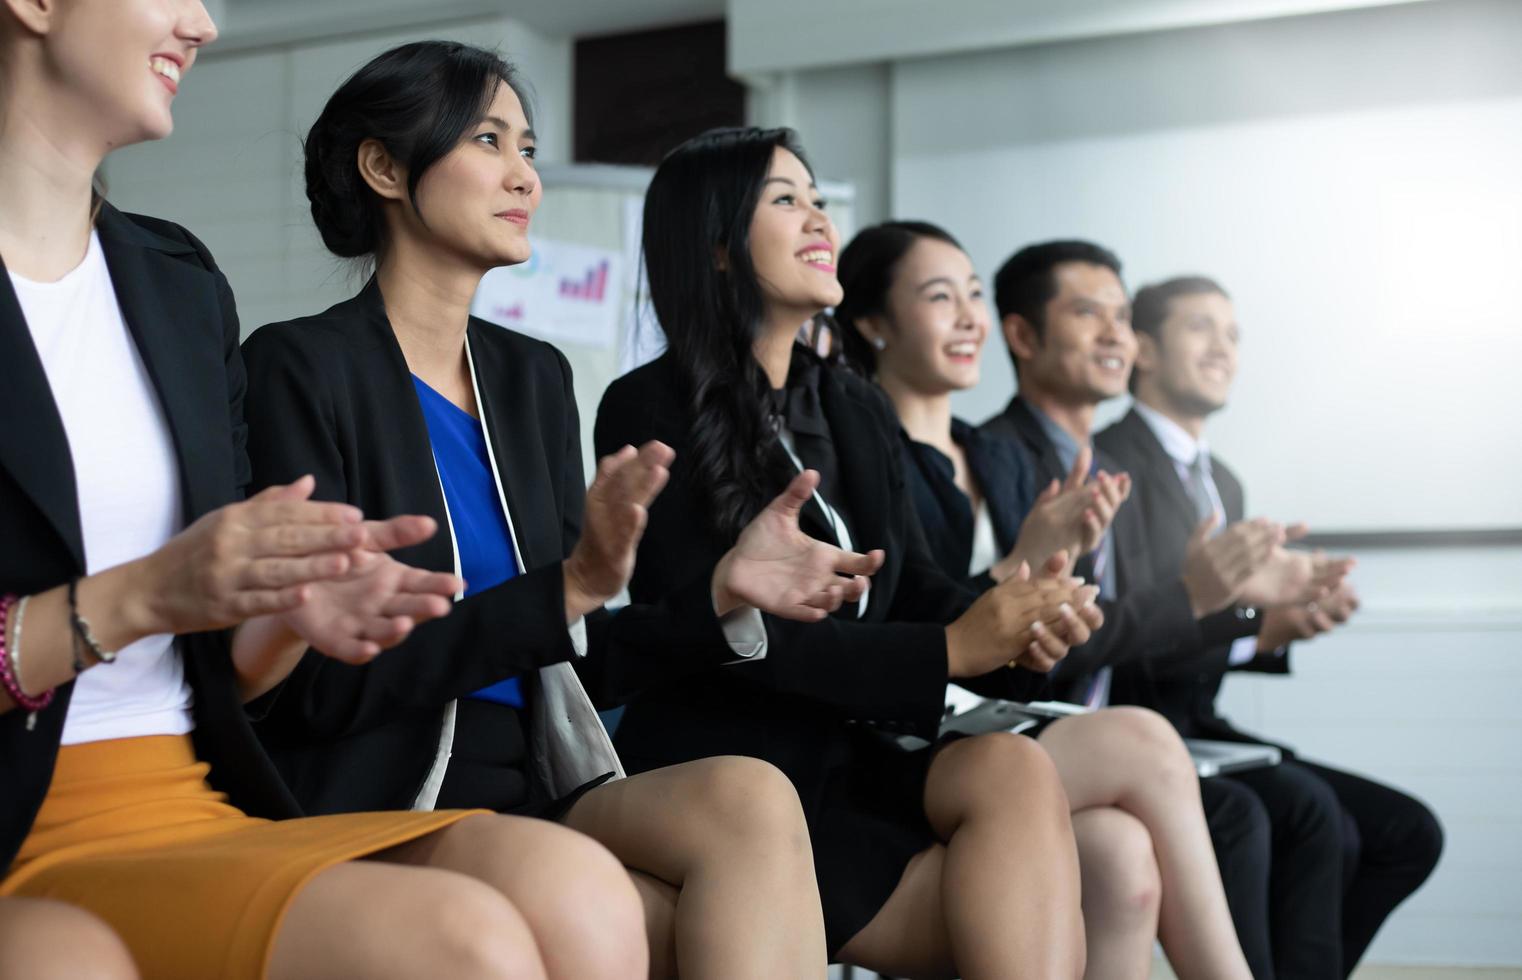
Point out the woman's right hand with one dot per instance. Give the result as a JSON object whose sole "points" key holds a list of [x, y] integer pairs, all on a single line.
{"points": [[243, 560], [1023, 621]]}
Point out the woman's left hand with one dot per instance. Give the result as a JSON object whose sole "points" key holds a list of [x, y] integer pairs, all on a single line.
{"points": [[613, 521], [352, 618], [777, 568], [377, 604]]}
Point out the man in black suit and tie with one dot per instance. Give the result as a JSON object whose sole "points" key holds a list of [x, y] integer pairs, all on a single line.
{"points": [[1066, 317], [1345, 850]]}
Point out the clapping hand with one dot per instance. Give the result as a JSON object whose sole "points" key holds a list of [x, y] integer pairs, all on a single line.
{"points": [[1023, 622], [1294, 577], [376, 604], [777, 568], [1286, 624], [249, 559], [366, 602], [1071, 516], [1052, 637], [613, 521], [1217, 569]]}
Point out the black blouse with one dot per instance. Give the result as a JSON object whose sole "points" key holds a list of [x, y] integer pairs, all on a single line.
{"points": [[1006, 477]]}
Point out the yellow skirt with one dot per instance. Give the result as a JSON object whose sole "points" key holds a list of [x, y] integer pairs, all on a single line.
{"points": [[131, 830]]}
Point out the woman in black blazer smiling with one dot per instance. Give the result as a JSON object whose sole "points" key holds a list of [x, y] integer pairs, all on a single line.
{"points": [[929, 862], [913, 316], [398, 401]]}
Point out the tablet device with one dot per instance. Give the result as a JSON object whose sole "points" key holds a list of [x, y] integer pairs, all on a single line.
{"points": [[1218, 758]]}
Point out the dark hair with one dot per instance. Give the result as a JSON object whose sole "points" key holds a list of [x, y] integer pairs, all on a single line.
{"points": [[699, 206], [1150, 305], [1028, 280], [417, 100], [867, 268]]}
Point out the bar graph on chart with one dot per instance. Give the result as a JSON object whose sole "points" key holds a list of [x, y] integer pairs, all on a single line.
{"points": [[592, 286]]}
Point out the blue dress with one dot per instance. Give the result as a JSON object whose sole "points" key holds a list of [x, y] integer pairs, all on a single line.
{"points": [[481, 535], [489, 761]]}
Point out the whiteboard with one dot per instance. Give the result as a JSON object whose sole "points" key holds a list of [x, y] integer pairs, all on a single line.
{"points": [[1375, 257]]}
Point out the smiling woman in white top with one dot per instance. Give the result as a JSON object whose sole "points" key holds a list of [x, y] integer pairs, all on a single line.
{"points": [[144, 600]]}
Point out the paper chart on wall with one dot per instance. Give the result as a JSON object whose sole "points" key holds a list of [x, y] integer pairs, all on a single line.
{"points": [[565, 294]]}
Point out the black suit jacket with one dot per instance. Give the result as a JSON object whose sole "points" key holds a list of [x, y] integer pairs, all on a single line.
{"points": [[825, 686], [1184, 690], [1151, 618], [331, 395], [1005, 476], [181, 315]]}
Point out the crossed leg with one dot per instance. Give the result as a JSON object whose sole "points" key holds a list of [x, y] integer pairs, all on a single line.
{"points": [[719, 851], [999, 898], [1132, 760]]}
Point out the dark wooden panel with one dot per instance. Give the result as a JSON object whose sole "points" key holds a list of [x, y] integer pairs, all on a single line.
{"points": [[638, 95]]}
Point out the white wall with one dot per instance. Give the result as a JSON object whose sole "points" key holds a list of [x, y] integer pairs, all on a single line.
{"points": [[1420, 691], [765, 35], [844, 116], [231, 172], [1013, 144], [1353, 203]]}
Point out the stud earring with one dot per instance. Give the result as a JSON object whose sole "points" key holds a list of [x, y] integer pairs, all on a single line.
{"points": [[879, 344]]}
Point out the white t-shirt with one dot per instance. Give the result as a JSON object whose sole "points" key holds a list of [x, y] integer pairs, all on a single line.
{"points": [[128, 484], [985, 545]]}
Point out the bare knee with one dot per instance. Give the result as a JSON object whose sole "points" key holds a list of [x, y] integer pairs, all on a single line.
{"points": [[999, 771], [1121, 883], [474, 931], [1155, 748], [749, 802], [43, 940], [578, 897]]}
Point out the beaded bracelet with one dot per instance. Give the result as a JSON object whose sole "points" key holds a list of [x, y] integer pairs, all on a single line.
{"points": [[10, 662]]}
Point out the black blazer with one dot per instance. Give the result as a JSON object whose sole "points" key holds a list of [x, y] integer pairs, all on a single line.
{"points": [[1151, 618], [1185, 689], [331, 395], [181, 315], [1006, 478], [821, 685]]}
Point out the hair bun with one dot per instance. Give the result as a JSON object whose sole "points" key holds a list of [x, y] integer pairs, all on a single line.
{"points": [[339, 206]]}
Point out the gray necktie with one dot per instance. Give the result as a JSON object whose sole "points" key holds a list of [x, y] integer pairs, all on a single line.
{"points": [[1198, 486]]}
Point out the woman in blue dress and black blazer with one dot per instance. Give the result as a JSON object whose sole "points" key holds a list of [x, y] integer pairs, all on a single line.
{"points": [[398, 401]]}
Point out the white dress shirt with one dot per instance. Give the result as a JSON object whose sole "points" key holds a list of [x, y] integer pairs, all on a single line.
{"points": [[1184, 449]]}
